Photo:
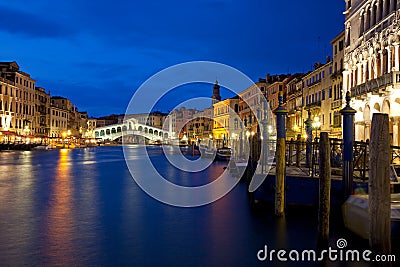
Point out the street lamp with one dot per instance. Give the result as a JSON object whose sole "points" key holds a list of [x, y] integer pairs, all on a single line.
{"points": [[64, 135], [316, 125]]}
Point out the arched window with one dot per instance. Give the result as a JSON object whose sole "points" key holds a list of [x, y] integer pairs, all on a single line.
{"points": [[368, 19], [362, 24], [387, 7], [374, 18]]}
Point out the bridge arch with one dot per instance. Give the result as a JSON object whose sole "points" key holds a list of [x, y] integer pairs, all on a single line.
{"points": [[102, 133], [150, 131], [124, 128], [113, 130], [146, 130], [140, 128], [108, 131], [119, 129]]}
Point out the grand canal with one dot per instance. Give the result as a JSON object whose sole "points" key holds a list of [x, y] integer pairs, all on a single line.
{"points": [[82, 207]]}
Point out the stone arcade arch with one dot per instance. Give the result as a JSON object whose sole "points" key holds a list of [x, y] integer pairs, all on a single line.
{"points": [[386, 107], [377, 107]]}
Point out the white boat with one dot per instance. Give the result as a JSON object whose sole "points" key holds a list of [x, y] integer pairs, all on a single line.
{"points": [[355, 215], [41, 147], [224, 153]]}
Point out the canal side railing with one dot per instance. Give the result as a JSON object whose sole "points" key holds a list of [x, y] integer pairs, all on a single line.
{"points": [[296, 157]]}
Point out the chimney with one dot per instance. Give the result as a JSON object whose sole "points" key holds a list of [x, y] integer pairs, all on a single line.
{"points": [[328, 59]]}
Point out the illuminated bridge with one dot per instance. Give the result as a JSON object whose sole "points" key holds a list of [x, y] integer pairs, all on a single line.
{"points": [[129, 128]]}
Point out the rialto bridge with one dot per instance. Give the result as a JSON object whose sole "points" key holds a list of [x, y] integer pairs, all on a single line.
{"points": [[128, 128]]}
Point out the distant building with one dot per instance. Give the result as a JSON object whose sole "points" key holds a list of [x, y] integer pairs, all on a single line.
{"points": [[337, 84], [250, 96], [294, 92], [155, 119], [317, 95], [226, 121], [17, 100], [275, 85], [179, 119], [42, 112], [216, 97], [201, 126], [91, 125], [76, 121], [58, 121], [109, 120]]}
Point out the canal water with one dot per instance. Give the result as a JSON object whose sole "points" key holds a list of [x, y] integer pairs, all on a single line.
{"points": [[82, 207]]}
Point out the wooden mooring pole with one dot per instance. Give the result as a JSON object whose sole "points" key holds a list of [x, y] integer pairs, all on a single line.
{"points": [[379, 185], [290, 158], [280, 113], [298, 151], [324, 190]]}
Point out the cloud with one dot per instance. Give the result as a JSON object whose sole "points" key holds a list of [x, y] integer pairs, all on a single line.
{"points": [[16, 21]]}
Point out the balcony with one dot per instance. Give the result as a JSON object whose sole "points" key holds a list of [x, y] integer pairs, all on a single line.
{"points": [[313, 105], [7, 81], [376, 86], [336, 104], [314, 83], [336, 74]]}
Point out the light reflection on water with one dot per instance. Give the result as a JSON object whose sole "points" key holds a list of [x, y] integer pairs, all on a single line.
{"points": [[56, 209], [60, 221]]}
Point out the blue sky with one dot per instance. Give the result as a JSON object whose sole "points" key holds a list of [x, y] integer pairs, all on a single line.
{"points": [[97, 53]]}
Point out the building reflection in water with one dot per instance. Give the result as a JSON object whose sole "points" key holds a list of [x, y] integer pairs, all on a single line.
{"points": [[60, 217]]}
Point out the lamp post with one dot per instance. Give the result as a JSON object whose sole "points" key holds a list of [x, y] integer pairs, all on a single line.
{"points": [[316, 125], [64, 135], [308, 137]]}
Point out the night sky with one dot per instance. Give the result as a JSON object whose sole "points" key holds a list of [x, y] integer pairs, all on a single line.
{"points": [[97, 53]]}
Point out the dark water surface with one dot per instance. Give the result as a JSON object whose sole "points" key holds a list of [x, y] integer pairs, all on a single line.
{"points": [[81, 207]]}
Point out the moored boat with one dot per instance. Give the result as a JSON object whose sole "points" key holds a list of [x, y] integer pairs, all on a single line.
{"points": [[223, 154], [355, 215]]}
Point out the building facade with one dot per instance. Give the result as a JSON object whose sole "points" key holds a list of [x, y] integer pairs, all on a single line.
{"points": [[201, 126], [337, 84], [42, 112], [77, 121], [58, 121], [17, 100], [294, 92], [226, 121], [372, 64], [317, 97]]}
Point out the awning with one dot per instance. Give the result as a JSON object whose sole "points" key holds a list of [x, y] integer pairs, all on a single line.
{"points": [[8, 133]]}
